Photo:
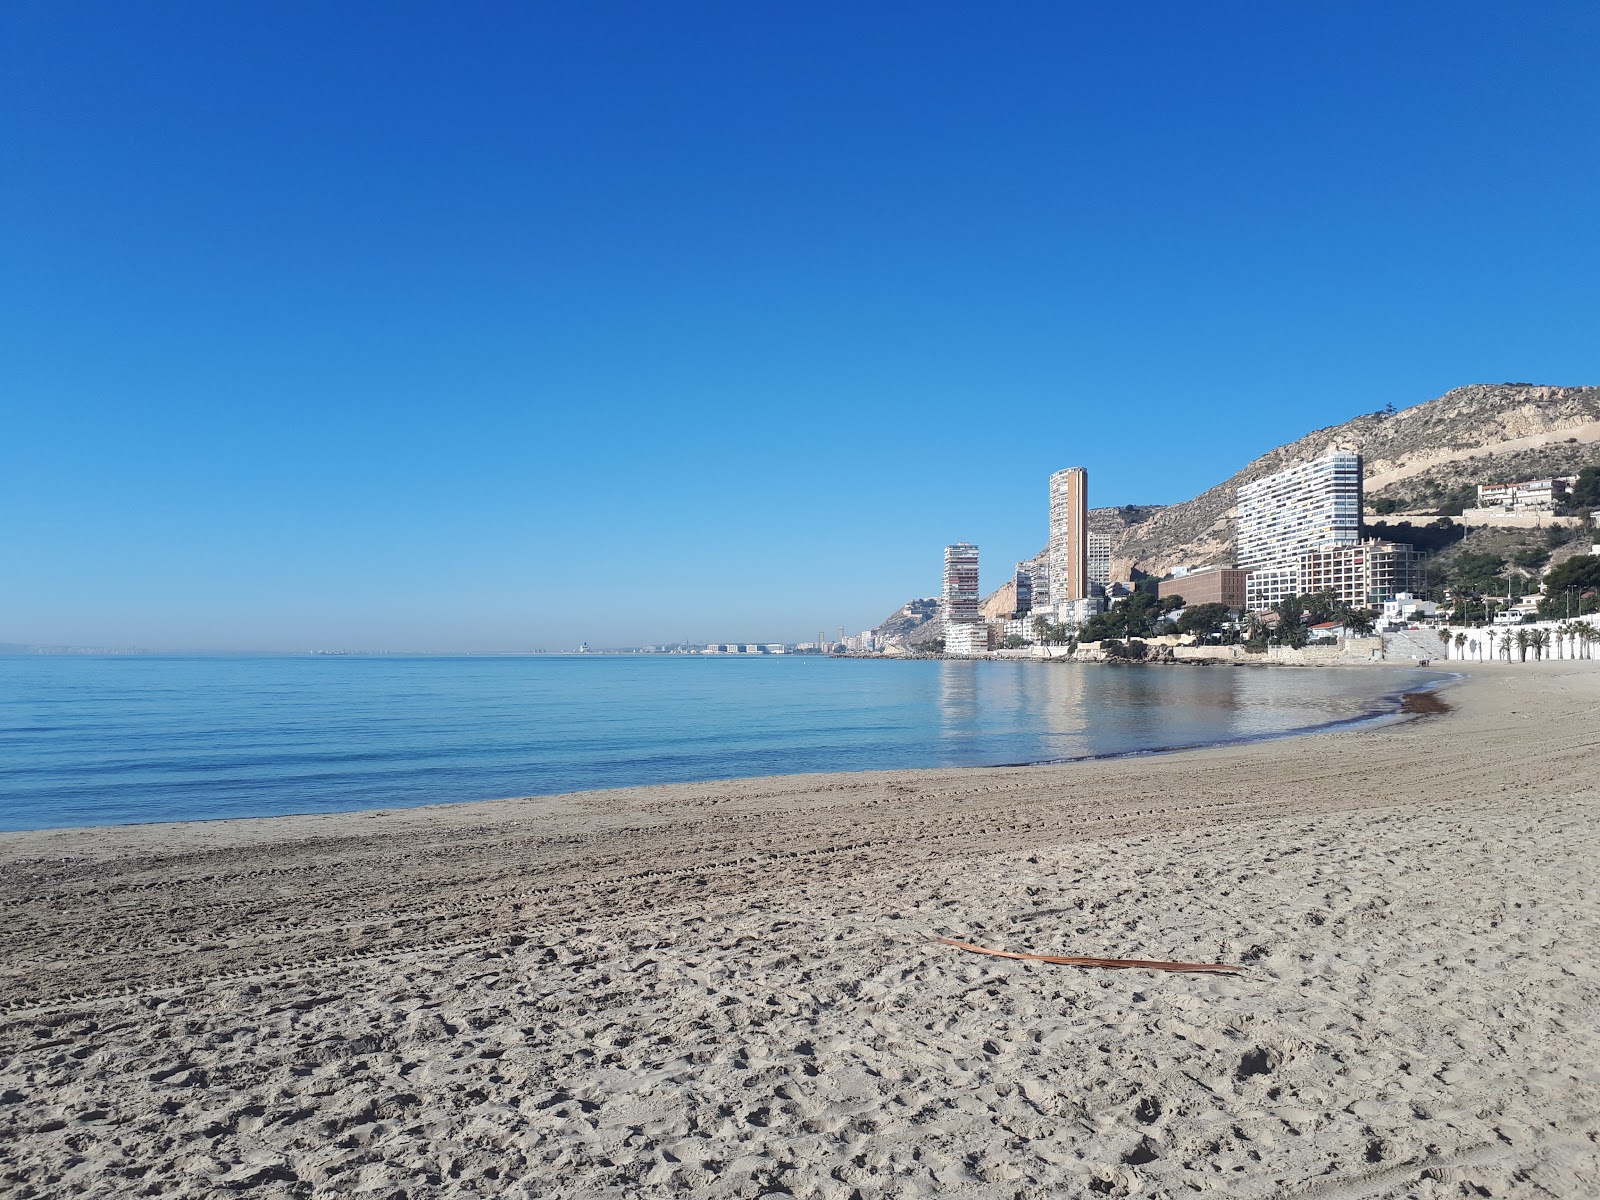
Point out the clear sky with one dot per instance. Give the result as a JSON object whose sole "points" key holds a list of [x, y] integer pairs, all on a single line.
{"points": [[466, 326]]}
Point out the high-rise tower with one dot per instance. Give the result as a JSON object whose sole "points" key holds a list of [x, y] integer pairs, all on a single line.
{"points": [[965, 631], [961, 596], [1314, 505], [1069, 535]]}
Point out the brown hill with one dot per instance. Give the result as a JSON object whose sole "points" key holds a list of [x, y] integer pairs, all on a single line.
{"points": [[1485, 433]]}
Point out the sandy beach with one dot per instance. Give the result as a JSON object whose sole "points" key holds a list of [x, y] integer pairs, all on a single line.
{"points": [[733, 989]]}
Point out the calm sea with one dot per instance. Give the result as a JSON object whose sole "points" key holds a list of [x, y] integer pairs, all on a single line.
{"points": [[92, 741]]}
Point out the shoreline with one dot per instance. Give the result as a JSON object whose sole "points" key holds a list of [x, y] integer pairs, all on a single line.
{"points": [[734, 988], [1397, 711], [1386, 706]]}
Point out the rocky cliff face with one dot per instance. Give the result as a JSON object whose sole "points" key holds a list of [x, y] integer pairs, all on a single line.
{"points": [[1486, 433], [912, 625]]}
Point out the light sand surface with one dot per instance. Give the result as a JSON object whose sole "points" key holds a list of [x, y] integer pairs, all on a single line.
{"points": [[732, 989]]}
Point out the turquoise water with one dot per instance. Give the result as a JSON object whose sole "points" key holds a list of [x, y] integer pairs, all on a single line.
{"points": [[92, 741]]}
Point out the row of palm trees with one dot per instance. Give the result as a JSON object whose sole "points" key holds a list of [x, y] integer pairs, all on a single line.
{"points": [[1576, 637]]}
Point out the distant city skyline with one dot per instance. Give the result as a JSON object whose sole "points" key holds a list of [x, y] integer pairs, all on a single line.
{"points": [[526, 326]]}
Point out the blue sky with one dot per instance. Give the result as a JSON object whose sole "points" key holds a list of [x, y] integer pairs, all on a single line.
{"points": [[477, 325]]}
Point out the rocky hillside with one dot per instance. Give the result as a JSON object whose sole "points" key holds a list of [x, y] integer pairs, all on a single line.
{"points": [[912, 625], [1485, 433]]}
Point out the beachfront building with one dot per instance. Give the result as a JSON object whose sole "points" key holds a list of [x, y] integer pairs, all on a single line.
{"points": [[1266, 587], [1365, 575], [1070, 614], [1099, 551], [971, 637], [1406, 608], [1068, 553], [1208, 585], [961, 595], [1312, 506], [1289, 518], [1362, 576], [1075, 614], [965, 631]]}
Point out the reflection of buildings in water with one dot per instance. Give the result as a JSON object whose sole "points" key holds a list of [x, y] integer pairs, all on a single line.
{"points": [[1021, 711], [1203, 688], [1059, 707], [958, 698], [1134, 707]]}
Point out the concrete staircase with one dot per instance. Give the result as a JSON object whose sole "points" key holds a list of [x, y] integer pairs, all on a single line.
{"points": [[1410, 644]]}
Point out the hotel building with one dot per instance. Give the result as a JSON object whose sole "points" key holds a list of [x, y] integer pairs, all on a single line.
{"points": [[1068, 554], [1308, 507]]}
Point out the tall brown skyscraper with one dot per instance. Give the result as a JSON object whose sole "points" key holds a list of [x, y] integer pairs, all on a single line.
{"points": [[1069, 535]]}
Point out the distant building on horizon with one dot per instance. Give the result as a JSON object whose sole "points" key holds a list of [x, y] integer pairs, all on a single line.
{"points": [[1068, 553]]}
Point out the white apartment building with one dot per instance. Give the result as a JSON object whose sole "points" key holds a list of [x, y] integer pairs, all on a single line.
{"points": [[961, 596], [1312, 506], [965, 631], [966, 637], [1074, 614], [1099, 559], [1406, 607], [1266, 587]]}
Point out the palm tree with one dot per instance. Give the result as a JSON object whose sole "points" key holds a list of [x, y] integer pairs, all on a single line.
{"points": [[1566, 633], [1444, 636], [1490, 636], [1522, 645], [1461, 641], [1360, 622]]}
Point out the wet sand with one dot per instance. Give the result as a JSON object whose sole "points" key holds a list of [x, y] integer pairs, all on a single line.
{"points": [[733, 989]]}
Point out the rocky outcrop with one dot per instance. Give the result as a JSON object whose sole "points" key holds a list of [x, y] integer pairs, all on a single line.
{"points": [[911, 626], [1001, 602]]}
